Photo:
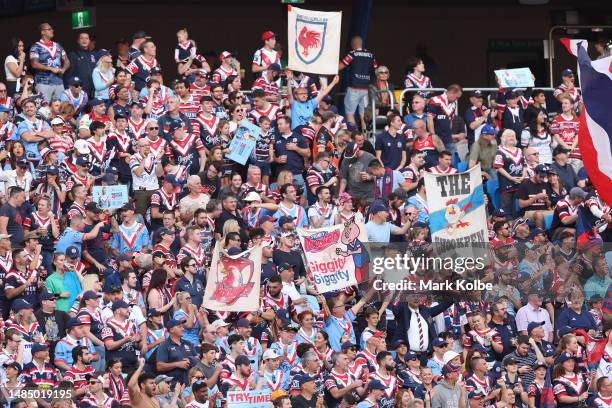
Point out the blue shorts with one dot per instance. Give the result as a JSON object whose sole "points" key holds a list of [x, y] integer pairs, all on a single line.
{"points": [[355, 98]]}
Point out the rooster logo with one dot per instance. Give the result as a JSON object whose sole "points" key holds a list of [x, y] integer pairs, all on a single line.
{"points": [[309, 39]]}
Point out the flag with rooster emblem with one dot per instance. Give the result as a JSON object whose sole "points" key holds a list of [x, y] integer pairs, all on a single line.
{"points": [[457, 213], [314, 41]]}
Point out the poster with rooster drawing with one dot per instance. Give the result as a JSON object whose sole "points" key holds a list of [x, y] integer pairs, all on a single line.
{"points": [[314, 41]]}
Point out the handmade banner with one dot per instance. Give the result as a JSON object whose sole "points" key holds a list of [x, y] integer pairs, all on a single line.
{"points": [[243, 142], [249, 399], [314, 40], [336, 256], [457, 214], [514, 78], [233, 281], [110, 197], [595, 137]]}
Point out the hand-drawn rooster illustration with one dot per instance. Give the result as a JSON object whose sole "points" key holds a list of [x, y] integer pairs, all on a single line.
{"points": [[309, 39]]}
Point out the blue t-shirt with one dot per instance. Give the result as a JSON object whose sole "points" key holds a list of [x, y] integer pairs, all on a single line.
{"points": [[301, 112], [31, 148], [379, 233], [69, 237], [336, 328], [391, 148]]}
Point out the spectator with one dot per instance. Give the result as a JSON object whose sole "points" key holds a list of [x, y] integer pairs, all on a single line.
{"points": [[565, 127], [390, 145], [440, 114], [15, 66], [567, 88], [103, 76], [562, 169], [82, 63], [50, 62], [302, 108]]}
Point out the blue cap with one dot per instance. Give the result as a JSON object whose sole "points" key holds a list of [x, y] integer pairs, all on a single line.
{"points": [[563, 357], [172, 180], [175, 322], [52, 170], [36, 347], [73, 322], [73, 252], [500, 212], [411, 356], [23, 163], [511, 95], [265, 218], [398, 343], [284, 220], [234, 251], [112, 170], [75, 81], [304, 378], [96, 102], [91, 294], [565, 330], [120, 304], [488, 130], [45, 295], [542, 169], [274, 67], [536, 231], [21, 304], [81, 161], [283, 315], [347, 345], [477, 93], [567, 72], [449, 368], [243, 323], [376, 385], [4, 109], [378, 208], [439, 342]]}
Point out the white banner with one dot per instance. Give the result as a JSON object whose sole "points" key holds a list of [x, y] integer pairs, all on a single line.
{"points": [[336, 256], [314, 41], [232, 283], [457, 214]]}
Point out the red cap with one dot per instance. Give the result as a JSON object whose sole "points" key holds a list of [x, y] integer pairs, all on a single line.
{"points": [[267, 35], [224, 55]]}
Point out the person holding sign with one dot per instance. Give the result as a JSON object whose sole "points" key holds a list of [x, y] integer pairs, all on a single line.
{"points": [[339, 321]]}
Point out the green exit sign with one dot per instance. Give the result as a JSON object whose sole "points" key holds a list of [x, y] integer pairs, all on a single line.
{"points": [[81, 19], [293, 1]]}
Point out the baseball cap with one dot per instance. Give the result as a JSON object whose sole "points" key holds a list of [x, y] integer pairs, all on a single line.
{"points": [[140, 35], [346, 345], [378, 207], [477, 94], [23, 163], [563, 357], [31, 235], [252, 196], [45, 295], [291, 327], [45, 151], [91, 294], [270, 354], [284, 220], [376, 385], [534, 291], [398, 343], [487, 130], [55, 121], [36, 347], [109, 287], [73, 322], [162, 377], [305, 378], [284, 267], [577, 192], [170, 178], [542, 169], [265, 218], [267, 35], [4, 109], [533, 325], [411, 356], [81, 161], [14, 365], [449, 356], [242, 360], [510, 361], [439, 342], [219, 323], [567, 72], [275, 67], [449, 368], [368, 335], [21, 304], [243, 323], [96, 102], [74, 81], [73, 252], [154, 312], [120, 304], [350, 150], [175, 322], [198, 385], [155, 71], [81, 146], [500, 212], [224, 55], [52, 170], [538, 364], [511, 95], [93, 207]]}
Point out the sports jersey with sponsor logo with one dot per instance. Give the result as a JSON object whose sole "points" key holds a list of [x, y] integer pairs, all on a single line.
{"points": [[51, 55], [567, 130]]}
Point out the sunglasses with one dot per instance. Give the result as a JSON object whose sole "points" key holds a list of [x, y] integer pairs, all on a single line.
{"points": [[93, 382], [153, 128]]}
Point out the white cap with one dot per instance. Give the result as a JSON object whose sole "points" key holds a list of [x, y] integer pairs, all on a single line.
{"points": [[57, 121], [81, 146], [270, 354], [449, 356], [219, 323], [252, 196]]}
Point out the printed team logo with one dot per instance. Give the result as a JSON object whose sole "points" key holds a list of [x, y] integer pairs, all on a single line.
{"points": [[310, 38], [235, 279], [455, 213], [318, 242]]}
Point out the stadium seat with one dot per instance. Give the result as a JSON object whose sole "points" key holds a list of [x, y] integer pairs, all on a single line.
{"points": [[463, 166], [548, 221], [492, 187]]}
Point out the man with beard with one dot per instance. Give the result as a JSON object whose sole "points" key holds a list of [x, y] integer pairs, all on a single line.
{"points": [[385, 374], [121, 337], [289, 206], [142, 389], [78, 373], [229, 204], [274, 300], [323, 213], [501, 322], [354, 171], [175, 356], [340, 382], [241, 379]]}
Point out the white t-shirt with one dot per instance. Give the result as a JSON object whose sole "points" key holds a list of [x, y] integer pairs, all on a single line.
{"points": [[9, 75], [147, 179]]}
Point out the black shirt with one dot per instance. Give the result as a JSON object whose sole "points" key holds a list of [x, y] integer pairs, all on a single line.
{"points": [[225, 216], [292, 258], [528, 188], [53, 325], [301, 402], [14, 226]]}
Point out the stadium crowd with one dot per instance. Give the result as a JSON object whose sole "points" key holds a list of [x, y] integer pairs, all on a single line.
{"points": [[106, 306]]}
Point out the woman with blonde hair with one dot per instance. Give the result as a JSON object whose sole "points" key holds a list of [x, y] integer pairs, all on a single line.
{"points": [[510, 165], [184, 309], [230, 226], [103, 76]]}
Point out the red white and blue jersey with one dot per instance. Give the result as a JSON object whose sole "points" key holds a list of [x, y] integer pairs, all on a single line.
{"points": [[206, 130], [428, 148], [90, 400], [51, 55], [79, 378], [272, 112], [199, 91], [198, 255], [602, 402], [391, 386], [270, 88], [186, 152], [190, 108], [573, 92], [9, 103], [264, 57], [475, 386], [365, 363], [6, 133], [413, 81], [45, 376], [510, 159], [138, 129], [567, 130], [140, 69], [78, 101], [222, 73], [130, 239]]}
